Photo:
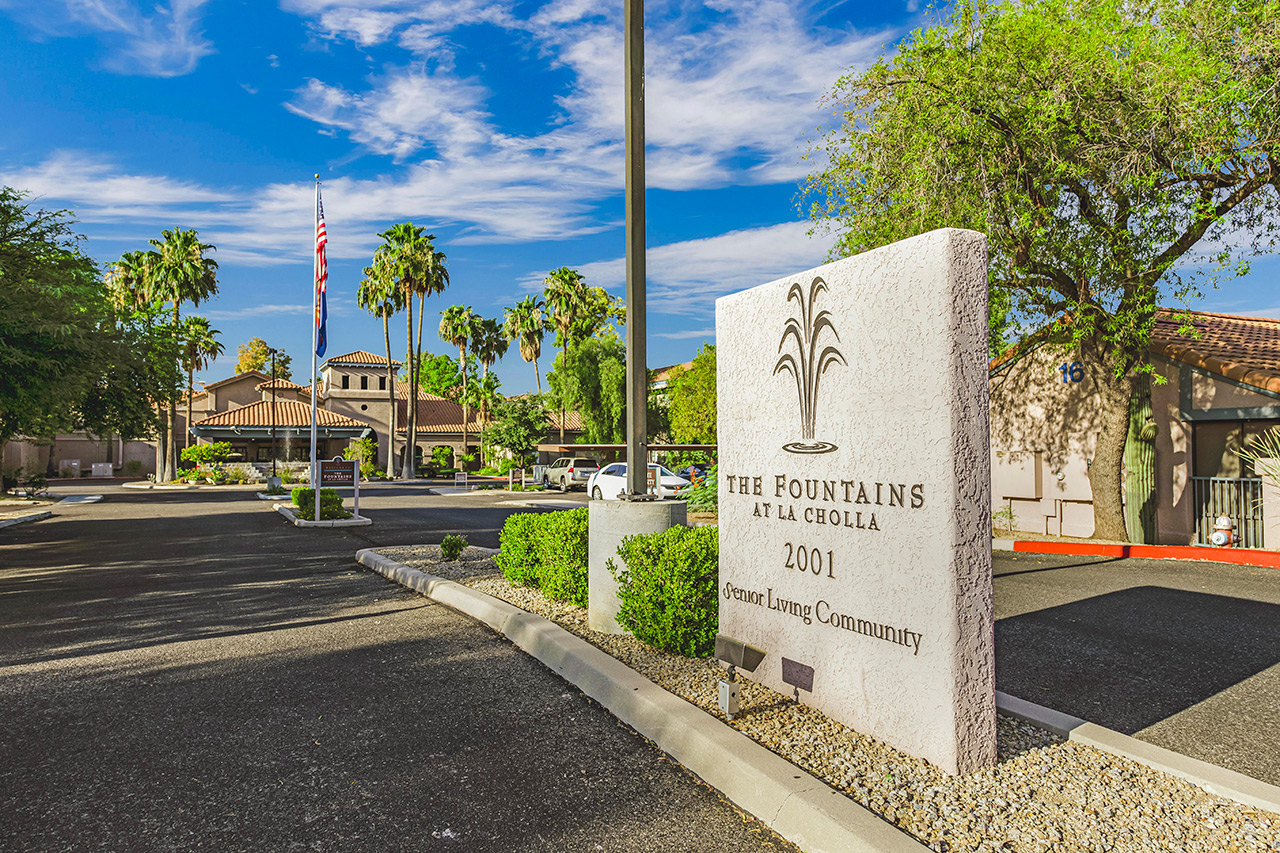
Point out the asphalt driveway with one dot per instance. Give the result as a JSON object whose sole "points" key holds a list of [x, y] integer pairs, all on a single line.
{"points": [[184, 671]]}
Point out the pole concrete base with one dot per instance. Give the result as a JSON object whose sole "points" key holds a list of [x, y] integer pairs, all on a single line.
{"points": [[607, 523]]}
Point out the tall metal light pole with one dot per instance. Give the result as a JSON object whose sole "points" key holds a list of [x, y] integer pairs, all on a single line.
{"points": [[637, 355], [274, 448]]}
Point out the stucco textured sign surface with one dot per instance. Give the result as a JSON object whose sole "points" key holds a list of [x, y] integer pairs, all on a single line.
{"points": [[855, 520]]}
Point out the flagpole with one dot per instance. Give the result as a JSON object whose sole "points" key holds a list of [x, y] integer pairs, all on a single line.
{"points": [[315, 343]]}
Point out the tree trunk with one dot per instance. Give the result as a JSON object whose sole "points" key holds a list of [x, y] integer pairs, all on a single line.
{"points": [[171, 445], [407, 469], [417, 377], [191, 388], [564, 360], [391, 399], [537, 376], [160, 443], [1105, 477], [462, 361]]}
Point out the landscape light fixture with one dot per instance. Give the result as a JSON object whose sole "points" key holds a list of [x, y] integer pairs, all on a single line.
{"points": [[735, 653]]}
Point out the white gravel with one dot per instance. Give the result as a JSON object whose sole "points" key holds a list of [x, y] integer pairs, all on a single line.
{"points": [[1045, 794]]}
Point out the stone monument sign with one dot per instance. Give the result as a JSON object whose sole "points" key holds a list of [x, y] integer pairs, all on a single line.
{"points": [[855, 510]]}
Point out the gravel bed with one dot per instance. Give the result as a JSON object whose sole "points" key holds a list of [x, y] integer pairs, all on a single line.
{"points": [[1045, 794]]}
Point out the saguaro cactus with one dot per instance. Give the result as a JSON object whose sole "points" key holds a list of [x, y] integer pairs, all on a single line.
{"points": [[1140, 467]]}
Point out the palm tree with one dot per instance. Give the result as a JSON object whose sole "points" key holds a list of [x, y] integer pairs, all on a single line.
{"points": [[566, 295], [490, 345], [458, 327], [182, 273], [528, 323], [379, 295], [416, 268], [201, 347], [129, 286]]}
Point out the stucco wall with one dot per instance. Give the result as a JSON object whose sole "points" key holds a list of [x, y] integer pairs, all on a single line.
{"points": [[1043, 431], [1175, 510]]}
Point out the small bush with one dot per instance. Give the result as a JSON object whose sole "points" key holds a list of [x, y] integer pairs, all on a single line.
{"points": [[133, 468], [518, 558], [183, 474], [206, 454], [304, 498], [702, 495], [34, 485], [451, 547], [562, 555], [667, 589]]}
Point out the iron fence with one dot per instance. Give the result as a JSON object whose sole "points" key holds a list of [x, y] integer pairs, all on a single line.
{"points": [[1238, 500]]}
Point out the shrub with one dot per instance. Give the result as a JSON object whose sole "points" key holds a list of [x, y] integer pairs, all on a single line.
{"points": [[451, 547], [206, 454], [364, 450], [133, 468], [184, 474], [667, 589], [702, 494], [34, 485], [304, 498], [518, 557], [562, 555]]}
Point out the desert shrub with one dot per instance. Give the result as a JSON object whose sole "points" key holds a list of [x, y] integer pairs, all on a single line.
{"points": [[183, 474], [518, 557], [133, 468], [451, 547], [667, 589], [304, 498], [562, 555], [34, 485]]}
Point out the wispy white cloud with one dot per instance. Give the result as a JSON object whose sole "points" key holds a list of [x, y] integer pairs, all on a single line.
{"points": [[158, 40], [688, 334], [687, 276], [257, 311]]}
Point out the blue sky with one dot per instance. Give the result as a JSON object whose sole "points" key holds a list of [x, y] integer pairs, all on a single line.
{"points": [[497, 124]]}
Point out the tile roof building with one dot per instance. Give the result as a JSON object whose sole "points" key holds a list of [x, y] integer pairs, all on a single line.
{"points": [[1215, 386]]}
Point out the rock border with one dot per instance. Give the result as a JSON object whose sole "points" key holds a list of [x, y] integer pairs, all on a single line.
{"points": [[1214, 779], [793, 803], [22, 519], [354, 521]]}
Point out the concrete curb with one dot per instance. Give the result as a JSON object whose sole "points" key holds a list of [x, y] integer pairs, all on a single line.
{"points": [[1199, 553], [354, 521], [35, 516], [799, 807], [159, 487], [1216, 780]]}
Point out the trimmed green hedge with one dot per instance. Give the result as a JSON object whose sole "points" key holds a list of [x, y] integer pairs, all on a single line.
{"points": [[304, 498], [667, 589], [547, 550]]}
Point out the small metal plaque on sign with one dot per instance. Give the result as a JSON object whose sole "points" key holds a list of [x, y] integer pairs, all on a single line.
{"points": [[338, 472], [651, 480], [797, 675]]}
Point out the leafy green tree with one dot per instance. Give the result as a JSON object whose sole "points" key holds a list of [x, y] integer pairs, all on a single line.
{"points": [[527, 323], [68, 359], [578, 311], [458, 326], [490, 345], [207, 454], [439, 375], [692, 396], [255, 354], [379, 295], [1095, 142], [200, 347], [591, 379], [518, 424]]}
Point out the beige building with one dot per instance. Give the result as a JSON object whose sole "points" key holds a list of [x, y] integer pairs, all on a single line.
{"points": [[1210, 394]]}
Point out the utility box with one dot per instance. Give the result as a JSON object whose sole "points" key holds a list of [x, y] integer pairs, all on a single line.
{"points": [[102, 469]]}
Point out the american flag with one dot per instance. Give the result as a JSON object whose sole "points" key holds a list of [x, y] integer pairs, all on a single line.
{"points": [[322, 277]]}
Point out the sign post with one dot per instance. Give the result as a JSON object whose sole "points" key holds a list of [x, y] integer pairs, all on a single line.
{"points": [[339, 472]]}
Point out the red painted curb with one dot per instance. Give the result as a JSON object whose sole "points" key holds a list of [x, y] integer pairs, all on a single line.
{"points": [[1234, 556]]}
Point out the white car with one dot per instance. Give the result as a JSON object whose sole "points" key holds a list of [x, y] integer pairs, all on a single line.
{"points": [[607, 483]]}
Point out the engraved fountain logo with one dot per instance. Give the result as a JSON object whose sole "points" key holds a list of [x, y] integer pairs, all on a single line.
{"points": [[809, 361]]}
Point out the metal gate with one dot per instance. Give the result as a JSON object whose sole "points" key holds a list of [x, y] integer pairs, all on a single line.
{"points": [[1238, 500]]}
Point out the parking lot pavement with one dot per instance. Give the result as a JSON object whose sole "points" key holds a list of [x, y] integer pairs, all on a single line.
{"points": [[1184, 655], [186, 671]]}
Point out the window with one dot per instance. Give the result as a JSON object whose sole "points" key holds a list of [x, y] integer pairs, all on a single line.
{"points": [[382, 383], [364, 383], [346, 381]]}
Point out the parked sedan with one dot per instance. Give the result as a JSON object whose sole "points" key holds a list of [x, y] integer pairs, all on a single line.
{"points": [[607, 483]]}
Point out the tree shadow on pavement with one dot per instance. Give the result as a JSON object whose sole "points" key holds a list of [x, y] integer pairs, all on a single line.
{"points": [[1129, 659]]}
